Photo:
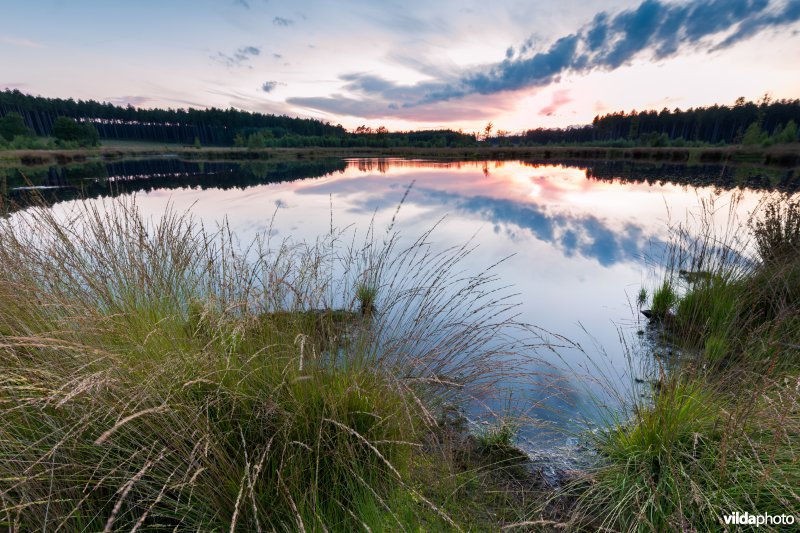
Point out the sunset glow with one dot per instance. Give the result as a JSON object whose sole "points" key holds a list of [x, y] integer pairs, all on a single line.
{"points": [[406, 66]]}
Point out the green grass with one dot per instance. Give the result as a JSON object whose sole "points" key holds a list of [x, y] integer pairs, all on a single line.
{"points": [[692, 456], [366, 295], [155, 376], [501, 434], [115, 143], [641, 297], [719, 432], [643, 483], [664, 298]]}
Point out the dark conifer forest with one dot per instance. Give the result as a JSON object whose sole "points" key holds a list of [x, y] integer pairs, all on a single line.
{"points": [[744, 122], [211, 126]]}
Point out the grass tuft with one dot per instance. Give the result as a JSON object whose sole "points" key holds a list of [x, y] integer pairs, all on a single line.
{"points": [[664, 298], [156, 376], [718, 433]]}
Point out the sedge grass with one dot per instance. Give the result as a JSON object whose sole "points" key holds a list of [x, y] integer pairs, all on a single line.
{"points": [[159, 376], [719, 431]]}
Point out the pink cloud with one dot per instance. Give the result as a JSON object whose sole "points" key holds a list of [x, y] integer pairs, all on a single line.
{"points": [[560, 99]]}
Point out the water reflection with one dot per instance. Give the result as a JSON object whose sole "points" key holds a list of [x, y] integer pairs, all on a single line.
{"points": [[583, 234], [21, 187], [579, 234]]}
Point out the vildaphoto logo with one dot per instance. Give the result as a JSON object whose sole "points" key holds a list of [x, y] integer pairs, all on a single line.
{"points": [[764, 519]]}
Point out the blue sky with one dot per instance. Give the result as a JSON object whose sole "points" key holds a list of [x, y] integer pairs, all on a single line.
{"points": [[409, 64]]}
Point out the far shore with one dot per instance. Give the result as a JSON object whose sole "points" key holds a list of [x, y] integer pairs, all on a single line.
{"points": [[786, 156]]}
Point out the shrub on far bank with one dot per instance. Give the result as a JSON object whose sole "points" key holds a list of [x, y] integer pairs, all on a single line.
{"points": [[13, 125], [788, 134], [67, 130], [16, 135]]}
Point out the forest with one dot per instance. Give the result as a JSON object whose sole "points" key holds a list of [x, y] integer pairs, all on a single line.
{"points": [[745, 122], [211, 126]]}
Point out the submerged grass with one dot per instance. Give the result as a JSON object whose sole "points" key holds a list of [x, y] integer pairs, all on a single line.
{"points": [[154, 375]]}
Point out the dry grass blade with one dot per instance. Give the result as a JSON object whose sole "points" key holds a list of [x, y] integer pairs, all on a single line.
{"points": [[104, 437]]}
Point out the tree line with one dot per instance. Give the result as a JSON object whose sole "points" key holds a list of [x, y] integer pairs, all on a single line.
{"points": [[745, 122], [214, 127], [84, 122], [362, 137], [211, 126]]}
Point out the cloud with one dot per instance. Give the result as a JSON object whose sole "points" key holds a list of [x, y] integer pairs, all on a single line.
{"points": [[280, 21], [243, 3], [239, 57], [750, 27], [654, 28], [269, 86], [560, 98], [247, 100], [469, 108]]}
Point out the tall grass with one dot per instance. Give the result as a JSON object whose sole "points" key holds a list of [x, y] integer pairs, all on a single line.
{"points": [[156, 375], [718, 431]]}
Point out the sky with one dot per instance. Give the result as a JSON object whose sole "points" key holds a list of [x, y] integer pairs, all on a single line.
{"points": [[406, 65]]}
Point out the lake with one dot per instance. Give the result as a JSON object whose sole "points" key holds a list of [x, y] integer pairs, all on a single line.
{"points": [[579, 239]]}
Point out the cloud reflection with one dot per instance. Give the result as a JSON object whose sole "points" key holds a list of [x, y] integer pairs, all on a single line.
{"points": [[571, 233]]}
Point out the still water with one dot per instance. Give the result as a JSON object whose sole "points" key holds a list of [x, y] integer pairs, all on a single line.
{"points": [[580, 239]]}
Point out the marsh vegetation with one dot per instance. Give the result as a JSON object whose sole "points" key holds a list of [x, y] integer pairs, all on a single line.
{"points": [[158, 375], [718, 431]]}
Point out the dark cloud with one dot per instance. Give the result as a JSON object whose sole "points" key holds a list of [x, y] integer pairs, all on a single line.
{"points": [[468, 108], [539, 69], [656, 28], [239, 57], [280, 21], [750, 27], [269, 86]]}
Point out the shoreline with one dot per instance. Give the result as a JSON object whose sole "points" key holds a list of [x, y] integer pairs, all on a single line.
{"points": [[779, 156]]}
